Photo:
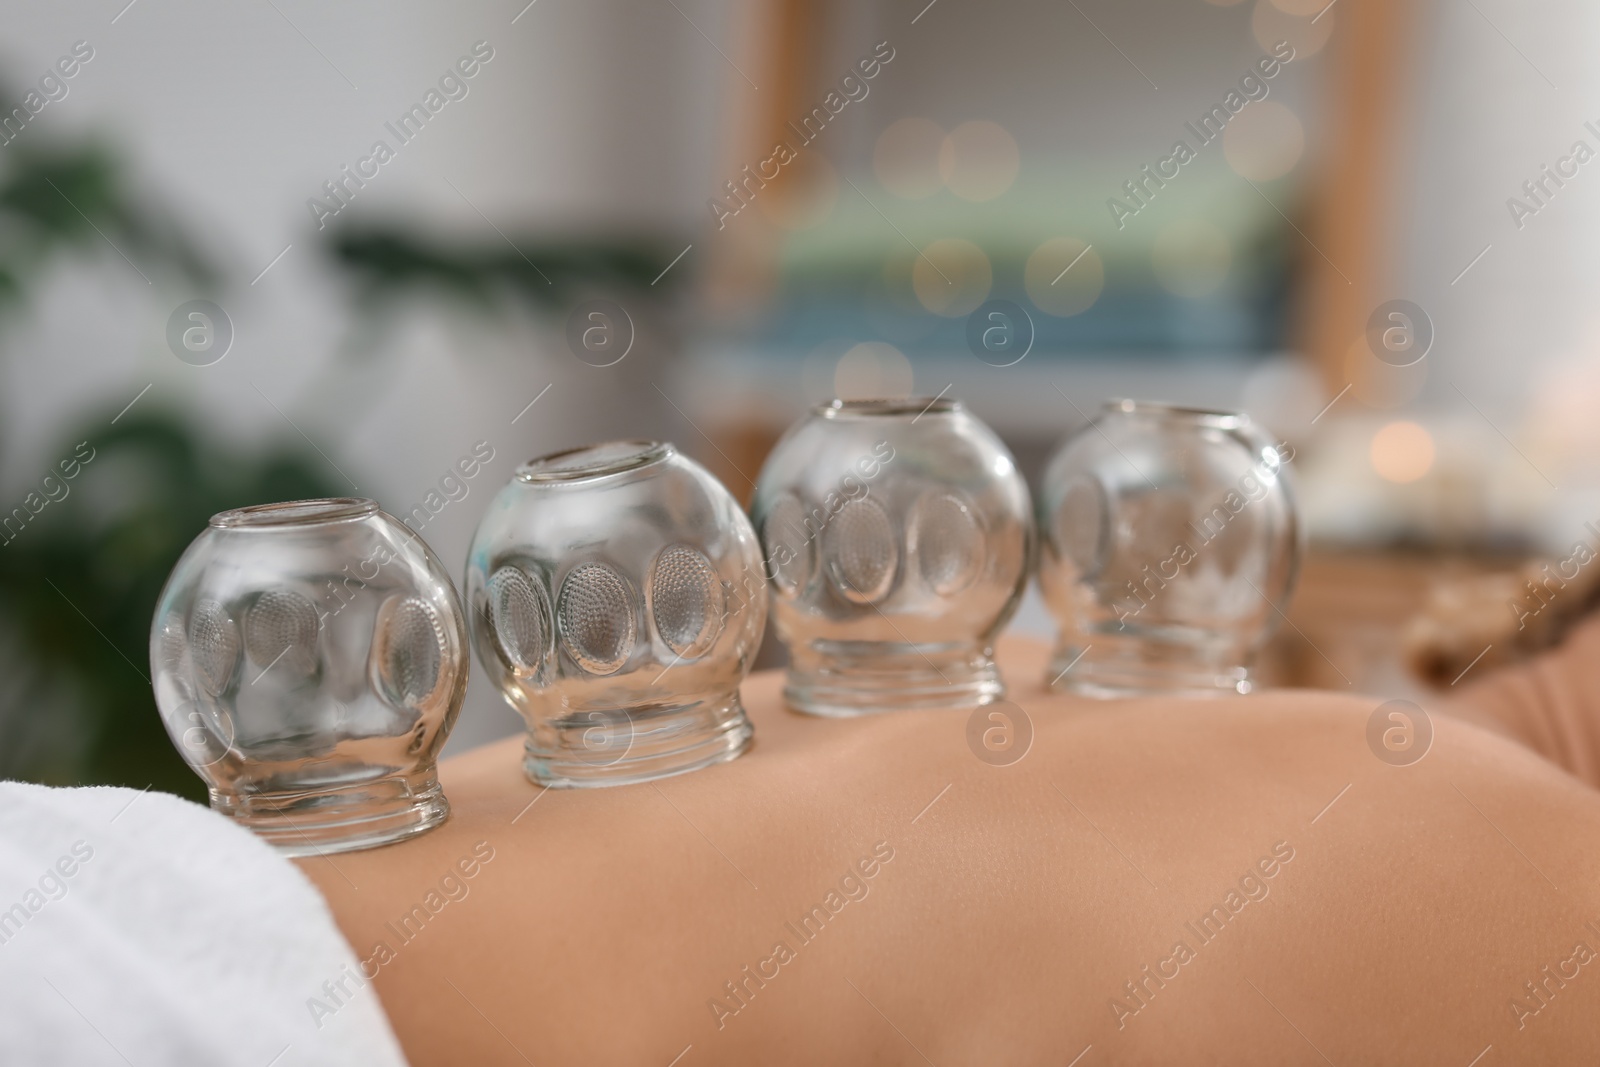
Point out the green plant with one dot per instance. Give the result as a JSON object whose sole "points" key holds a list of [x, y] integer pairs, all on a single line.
{"points": [[79, 585], [79, 581]]}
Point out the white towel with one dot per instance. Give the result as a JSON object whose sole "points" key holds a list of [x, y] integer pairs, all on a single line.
{"points": [[138, 928]]}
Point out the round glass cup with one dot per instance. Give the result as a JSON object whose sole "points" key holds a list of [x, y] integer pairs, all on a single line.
{"points": [[897, 538], [617, 602], [309, 660], [1170, 545]]}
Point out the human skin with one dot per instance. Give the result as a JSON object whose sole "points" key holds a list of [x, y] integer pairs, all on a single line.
{"points": [[1020, 899]]}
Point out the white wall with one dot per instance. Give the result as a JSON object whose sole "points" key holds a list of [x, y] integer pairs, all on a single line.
{"points": [[1485, 120]]}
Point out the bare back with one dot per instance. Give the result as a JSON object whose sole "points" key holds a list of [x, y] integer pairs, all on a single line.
{"points": [[1161, 881]]}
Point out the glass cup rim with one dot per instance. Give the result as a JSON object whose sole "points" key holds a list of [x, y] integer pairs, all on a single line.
{"points": [[612, 457], [1223, 420], [316, 511], [888, 407]]}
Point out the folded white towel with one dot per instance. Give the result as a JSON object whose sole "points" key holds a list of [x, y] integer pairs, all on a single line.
{"points": [[137, 928]]}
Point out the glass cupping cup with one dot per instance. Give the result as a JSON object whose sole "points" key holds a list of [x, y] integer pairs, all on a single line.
{"points": [[617, 602], [1170, 545], [897, 537], [309, 660]]}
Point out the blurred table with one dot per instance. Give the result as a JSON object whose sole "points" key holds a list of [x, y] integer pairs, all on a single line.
{"points": [[1349, 614]]}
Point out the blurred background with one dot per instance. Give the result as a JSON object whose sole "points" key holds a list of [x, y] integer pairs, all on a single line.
{"points": [[779, 201]]}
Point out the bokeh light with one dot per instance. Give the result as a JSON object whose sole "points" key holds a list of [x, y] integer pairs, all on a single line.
{"points": [[1191, 258], [1303, 8], [1264, 141], [1272, 24], [979, 160], [1402, 452], [1285, 394], [872, 369], [951, 277], [906, 158], [1068, 293]]}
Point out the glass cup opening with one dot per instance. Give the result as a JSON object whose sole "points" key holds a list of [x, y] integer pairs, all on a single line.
{"points": [[1221, 420], [888, 407], [593, 461], [296, 513]]}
